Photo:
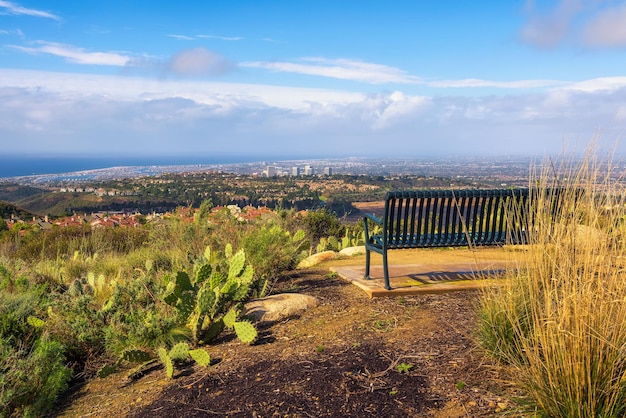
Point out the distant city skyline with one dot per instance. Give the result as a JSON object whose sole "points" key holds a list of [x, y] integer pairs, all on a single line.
{"points": [[324, 79]]}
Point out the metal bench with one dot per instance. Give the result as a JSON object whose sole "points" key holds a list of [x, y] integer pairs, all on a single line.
{"points": [[446, 218]]}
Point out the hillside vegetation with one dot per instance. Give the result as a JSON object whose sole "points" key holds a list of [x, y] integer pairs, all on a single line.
{"points": [[77, 302]]}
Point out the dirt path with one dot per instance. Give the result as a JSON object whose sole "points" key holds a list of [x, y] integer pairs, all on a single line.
{"points": [[350, 356]]}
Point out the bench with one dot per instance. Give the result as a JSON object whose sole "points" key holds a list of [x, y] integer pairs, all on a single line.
{"points": [[445, 218]]}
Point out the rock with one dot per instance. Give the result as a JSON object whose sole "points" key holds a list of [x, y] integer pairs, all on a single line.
{"points": [[315, 259], [278, 307], [352, 251]]}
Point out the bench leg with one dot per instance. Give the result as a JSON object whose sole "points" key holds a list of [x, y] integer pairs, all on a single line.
{"points": [[367, 264], [386, 271]]}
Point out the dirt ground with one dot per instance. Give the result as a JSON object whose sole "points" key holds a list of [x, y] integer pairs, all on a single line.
{"points": [[349, 357]]}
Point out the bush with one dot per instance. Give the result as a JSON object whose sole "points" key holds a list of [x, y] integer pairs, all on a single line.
{"points": [[271, 251], [558, 323], [321, 223], [32, 365], [31, 379]]}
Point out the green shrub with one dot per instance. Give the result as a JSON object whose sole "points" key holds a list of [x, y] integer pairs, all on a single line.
{"points": [[321, 223], [271, 250], [31, 379]]}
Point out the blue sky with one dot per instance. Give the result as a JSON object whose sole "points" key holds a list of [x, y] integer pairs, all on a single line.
{"points": [[310, 79]]}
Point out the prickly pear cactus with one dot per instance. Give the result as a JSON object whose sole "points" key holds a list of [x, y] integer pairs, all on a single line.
{"points": [[76, 289], [202, 305], [201, 357], [186, 304], [241, 293], [182, 281], [135, 356], [247, 275], [230, 318], [216, 279], [205, 300], [203, 273], [167, 361], [236, 264], [333, 243], [180, 352], [298, 236], [245, 331]]}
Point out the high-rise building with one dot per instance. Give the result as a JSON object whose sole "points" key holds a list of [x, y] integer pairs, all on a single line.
{"points": [[308, 170], [328, 171], [270, 171], [295, 171]]}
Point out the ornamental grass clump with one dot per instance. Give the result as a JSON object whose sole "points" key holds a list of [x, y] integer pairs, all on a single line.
{"points": [[559, 322]]}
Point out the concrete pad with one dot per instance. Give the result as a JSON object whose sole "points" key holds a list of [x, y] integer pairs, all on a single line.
{"points": [[415, 279]]}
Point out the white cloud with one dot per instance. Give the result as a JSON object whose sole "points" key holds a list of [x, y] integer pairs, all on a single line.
{"points": [[182, 37], [221, 38], [195, 37], [608, 28], [16, 9], [197, 62], [76, 55], [517, 84], [598, 84], [56, 112], [343, 69]]}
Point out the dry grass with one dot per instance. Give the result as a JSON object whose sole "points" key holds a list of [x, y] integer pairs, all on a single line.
{"points": [[560, 322]]}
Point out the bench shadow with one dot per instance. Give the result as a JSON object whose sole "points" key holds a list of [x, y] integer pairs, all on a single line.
{"points": [[436, 277]]}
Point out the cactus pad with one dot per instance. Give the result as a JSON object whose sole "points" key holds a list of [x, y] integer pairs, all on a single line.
{"points": [[171, 297], [298, 236], [247, 276], [216, 279], [205, 300], [245, 331], [35, 322], [213, 331], [167, 362], [179, 352], [106, 370], [230, 318], [241, 293], [229, 288], [204, 272], [186, 304], [201, 357], [135, 356], [236, 264], [183, 282]]}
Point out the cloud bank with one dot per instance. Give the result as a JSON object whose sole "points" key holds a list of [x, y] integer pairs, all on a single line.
{"points": [[74, 113]]}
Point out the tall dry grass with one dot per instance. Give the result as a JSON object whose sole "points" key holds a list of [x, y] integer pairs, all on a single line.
{"points": [[559, 323]]}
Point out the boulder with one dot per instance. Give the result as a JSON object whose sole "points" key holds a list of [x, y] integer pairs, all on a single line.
{"points": [[315, 259], [279, 307], [352, 251]]}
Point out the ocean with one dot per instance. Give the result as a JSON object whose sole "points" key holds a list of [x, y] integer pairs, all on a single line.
{"points": [[13, 166]]}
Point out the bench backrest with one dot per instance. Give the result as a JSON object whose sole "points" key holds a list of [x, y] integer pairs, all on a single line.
{"points": [[436, 218]]}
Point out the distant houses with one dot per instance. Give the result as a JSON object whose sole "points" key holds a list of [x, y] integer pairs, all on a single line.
{"points": [[119, 219]]}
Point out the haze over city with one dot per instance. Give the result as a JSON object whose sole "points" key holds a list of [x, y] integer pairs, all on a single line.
{"points": [[315, 79]]}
